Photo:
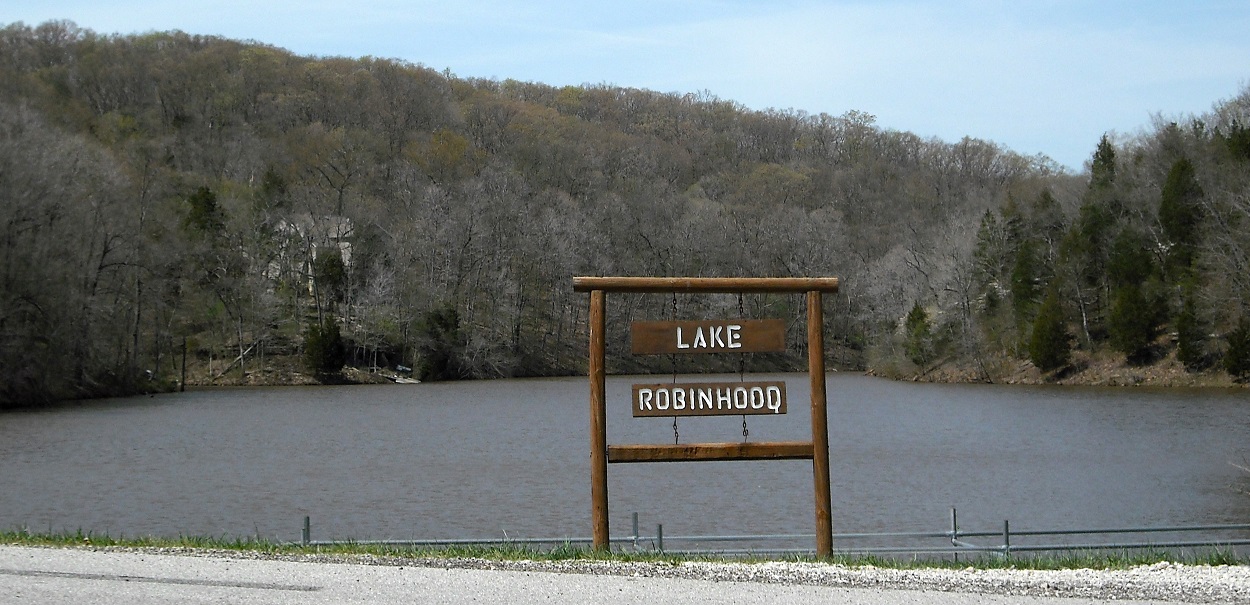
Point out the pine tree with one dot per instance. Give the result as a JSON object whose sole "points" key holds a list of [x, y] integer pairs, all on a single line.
{"points": [[919, 343], [440, 345], [1131, 322], [1190, 337], [1050, 343], [1134, 314], [1180, 213], [1026, 280], [204, 216], [324, 351], [1237, 359], [1102, 165]]}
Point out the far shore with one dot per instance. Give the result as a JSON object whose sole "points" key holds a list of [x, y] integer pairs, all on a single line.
{"points": [[1109, 371]]}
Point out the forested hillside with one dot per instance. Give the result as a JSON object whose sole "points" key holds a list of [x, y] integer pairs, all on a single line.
{"points": [[167, 188]]}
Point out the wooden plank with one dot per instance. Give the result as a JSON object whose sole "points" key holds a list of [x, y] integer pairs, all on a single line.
{"points": [[709, 399], [708, 336], [706, 285], [703, 452]]}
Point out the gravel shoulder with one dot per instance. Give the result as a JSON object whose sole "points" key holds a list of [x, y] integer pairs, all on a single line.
{"points": [[1167, 582]]}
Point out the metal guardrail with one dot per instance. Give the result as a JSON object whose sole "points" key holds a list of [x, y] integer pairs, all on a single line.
{"points": [[956, 541]]}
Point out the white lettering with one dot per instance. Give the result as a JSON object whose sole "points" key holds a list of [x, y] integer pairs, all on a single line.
{"points": [[705, 399], [716, 336], [700, 341], [708, 399], [757, 403], [680, 344], [733, 334]]}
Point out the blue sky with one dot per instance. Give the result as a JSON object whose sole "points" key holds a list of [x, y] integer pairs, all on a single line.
{"points": [[1048, 76]]}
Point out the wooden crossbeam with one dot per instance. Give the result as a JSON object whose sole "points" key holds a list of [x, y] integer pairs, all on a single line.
{"points": [[706, 285], [774, 450]]}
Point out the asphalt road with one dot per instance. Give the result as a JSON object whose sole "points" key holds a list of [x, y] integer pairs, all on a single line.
{"points": [[55, 576]]}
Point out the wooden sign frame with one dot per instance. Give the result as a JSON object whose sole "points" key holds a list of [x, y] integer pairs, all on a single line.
{"points": [[817, 450]]}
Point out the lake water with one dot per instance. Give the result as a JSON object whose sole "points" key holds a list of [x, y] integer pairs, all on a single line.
{"points": [[511, 457]]}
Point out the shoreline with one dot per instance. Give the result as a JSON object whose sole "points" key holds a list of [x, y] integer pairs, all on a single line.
{"points": [[1105, 370]]}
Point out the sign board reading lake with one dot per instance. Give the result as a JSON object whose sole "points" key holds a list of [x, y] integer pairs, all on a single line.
{"points": [[717, 336], [709, 399]]}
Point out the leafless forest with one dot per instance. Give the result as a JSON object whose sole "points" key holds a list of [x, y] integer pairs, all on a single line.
{"points": [[167, 188]]}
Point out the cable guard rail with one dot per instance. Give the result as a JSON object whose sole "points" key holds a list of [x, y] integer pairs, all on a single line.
{"points": [[958, 541]]}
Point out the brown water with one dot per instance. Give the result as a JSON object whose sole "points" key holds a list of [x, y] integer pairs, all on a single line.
{"points": [[485, 459]]}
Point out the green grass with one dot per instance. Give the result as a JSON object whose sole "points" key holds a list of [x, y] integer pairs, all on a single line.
{"points": [[573, 552]]}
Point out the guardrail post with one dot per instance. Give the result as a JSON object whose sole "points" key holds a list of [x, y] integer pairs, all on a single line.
{"points": [[955, 531], [307, 533], [659, 537], [635, 530], [1006, 538]]}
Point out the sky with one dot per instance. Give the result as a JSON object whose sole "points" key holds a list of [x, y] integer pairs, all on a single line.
{"points": [[1037, 77]]}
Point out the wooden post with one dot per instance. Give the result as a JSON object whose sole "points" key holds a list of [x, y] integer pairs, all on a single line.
{"points": [[820, 423], [598, 424]]}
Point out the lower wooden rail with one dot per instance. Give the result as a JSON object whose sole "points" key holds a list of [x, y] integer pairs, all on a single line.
{"points": [[774, 450]]}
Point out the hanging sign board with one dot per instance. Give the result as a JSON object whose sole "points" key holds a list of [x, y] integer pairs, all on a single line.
{"points": [[714, 336], [709, 399]]}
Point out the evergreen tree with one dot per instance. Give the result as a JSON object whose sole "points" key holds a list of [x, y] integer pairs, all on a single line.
{"points": [[440, 345], [919, 343], [1190, 337], [1130, 263], [1131, 323], [1026, 281], [991, 251], [1237, 359], [330, 274], [324, 351], [1134, 312], [1050, 343], [1180, 213], [1236, 140], [203, 215], [1102, 167]]}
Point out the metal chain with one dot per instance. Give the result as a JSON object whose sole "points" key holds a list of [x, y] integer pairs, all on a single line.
{"points": [[672, 359], [742, 368]]}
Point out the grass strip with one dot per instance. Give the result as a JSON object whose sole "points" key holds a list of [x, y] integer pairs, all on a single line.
{"points": [[505, 551]]}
